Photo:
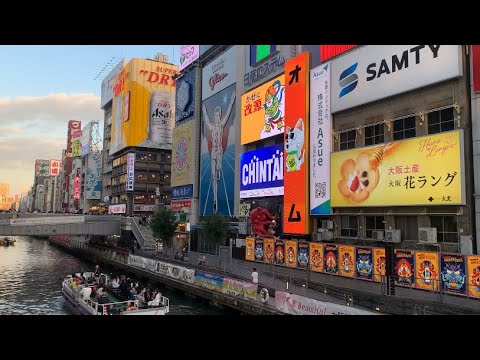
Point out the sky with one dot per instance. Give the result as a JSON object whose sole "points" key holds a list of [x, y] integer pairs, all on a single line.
{"points": [[42, 88]]}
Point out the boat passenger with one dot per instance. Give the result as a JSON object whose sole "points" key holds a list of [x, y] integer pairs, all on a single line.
{"points": [[116, 283], [86, 292], [156, 299]]}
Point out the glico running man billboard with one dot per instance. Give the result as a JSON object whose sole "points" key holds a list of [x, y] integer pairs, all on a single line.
{"points": [[143, 105], [261, 172], [217, 157]]}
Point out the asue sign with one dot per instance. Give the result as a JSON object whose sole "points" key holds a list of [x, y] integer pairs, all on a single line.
{"points": [[374, 72]]}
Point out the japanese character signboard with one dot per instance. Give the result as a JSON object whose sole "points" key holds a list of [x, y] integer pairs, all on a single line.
{"points": [[55, 167], [296, 155], [420, 171], [263, 111]]}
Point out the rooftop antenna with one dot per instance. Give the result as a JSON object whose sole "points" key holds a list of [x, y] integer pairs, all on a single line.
{"points": [[105, 70]]}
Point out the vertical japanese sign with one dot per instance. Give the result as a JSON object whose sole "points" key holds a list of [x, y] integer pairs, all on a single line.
{"points": [[331, 258], [303, 255], [296, 175], [379, 261], [347, 261], [76, 143], [269, 252], [259, 250], [316, 257], [291, 253], [249, 249], [452, 269], [130, 171], [279, 252], [426, 270], [404, 267], [76, 188], [473, 266], [320, 134], [363, 263], [55, 167]]}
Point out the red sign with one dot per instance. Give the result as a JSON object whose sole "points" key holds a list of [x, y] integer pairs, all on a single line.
{"points": [[117, 209], [76, 188], [55, 167], [296, 174], [476, 67], [179, 205], [329, 51]]}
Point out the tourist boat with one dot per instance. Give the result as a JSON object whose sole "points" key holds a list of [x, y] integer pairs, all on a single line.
{"points": [[115, 307], [6, 241]]}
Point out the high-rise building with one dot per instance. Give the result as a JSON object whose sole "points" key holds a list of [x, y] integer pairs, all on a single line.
{"points": [[4, 189], [138, 135]]}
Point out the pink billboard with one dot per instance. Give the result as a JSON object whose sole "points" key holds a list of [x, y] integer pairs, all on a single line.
{"points": [[188, 54]]}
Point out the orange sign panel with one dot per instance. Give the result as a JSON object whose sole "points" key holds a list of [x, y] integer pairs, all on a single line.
{"points": [[296, 174]]}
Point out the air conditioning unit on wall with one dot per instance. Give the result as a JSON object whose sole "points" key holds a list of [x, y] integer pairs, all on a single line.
{"points": [[393, 236], [323, 235], [427, 235], [377, 235], [327, 224]]}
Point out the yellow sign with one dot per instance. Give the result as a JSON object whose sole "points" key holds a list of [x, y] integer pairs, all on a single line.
{"points": [[316, 257], [419, 171], [379, 264], [291, 253], [183, 161], [76, 147], [269, 252], [473, 268], [346, 264], [143, 111], [263, 111], [426, 270], [250, 249]]}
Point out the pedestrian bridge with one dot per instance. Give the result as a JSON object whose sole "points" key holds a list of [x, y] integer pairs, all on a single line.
{"points": [[60, 224]]}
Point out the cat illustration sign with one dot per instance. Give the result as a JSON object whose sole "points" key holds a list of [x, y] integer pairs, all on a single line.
{"points": [[296, 145]]}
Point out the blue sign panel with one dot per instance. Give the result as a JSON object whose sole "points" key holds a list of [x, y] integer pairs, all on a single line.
{"points": [[182, 192], [261, 172], [185, 97]]}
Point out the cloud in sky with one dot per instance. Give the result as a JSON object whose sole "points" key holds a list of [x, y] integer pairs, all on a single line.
{"points": [[36, 128]]}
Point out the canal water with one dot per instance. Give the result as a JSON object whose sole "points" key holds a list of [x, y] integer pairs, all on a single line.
{"points": [[31, 273]]}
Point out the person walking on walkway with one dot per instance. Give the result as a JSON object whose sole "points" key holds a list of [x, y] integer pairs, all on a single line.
{"points": [[255, 276]]}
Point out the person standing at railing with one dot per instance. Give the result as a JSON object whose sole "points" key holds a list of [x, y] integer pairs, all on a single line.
{"points": [[97, 273]]}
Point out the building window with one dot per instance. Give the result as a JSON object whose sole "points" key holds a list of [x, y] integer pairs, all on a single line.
{"points": [[447, 228], [408, 225], [349, 226], [374, 223], [347, 139], [440, 121], [404, 128], [374, 134], [162, 158]]}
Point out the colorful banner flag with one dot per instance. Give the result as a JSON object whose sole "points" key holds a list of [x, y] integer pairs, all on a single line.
{"points": [[316, 257], [426, 270], [347, 261]]}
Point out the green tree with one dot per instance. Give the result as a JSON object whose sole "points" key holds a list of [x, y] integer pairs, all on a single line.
{"points": [[163, 225], [215, 228]]}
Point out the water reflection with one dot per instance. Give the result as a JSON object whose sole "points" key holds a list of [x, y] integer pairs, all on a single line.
{"points": [[31, 272]]}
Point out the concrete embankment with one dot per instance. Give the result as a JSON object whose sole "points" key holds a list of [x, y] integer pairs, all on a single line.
{"points": [[120, 260]]}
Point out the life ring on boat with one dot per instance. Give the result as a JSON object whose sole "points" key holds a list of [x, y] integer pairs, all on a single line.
{"points": [[264, 295]]}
